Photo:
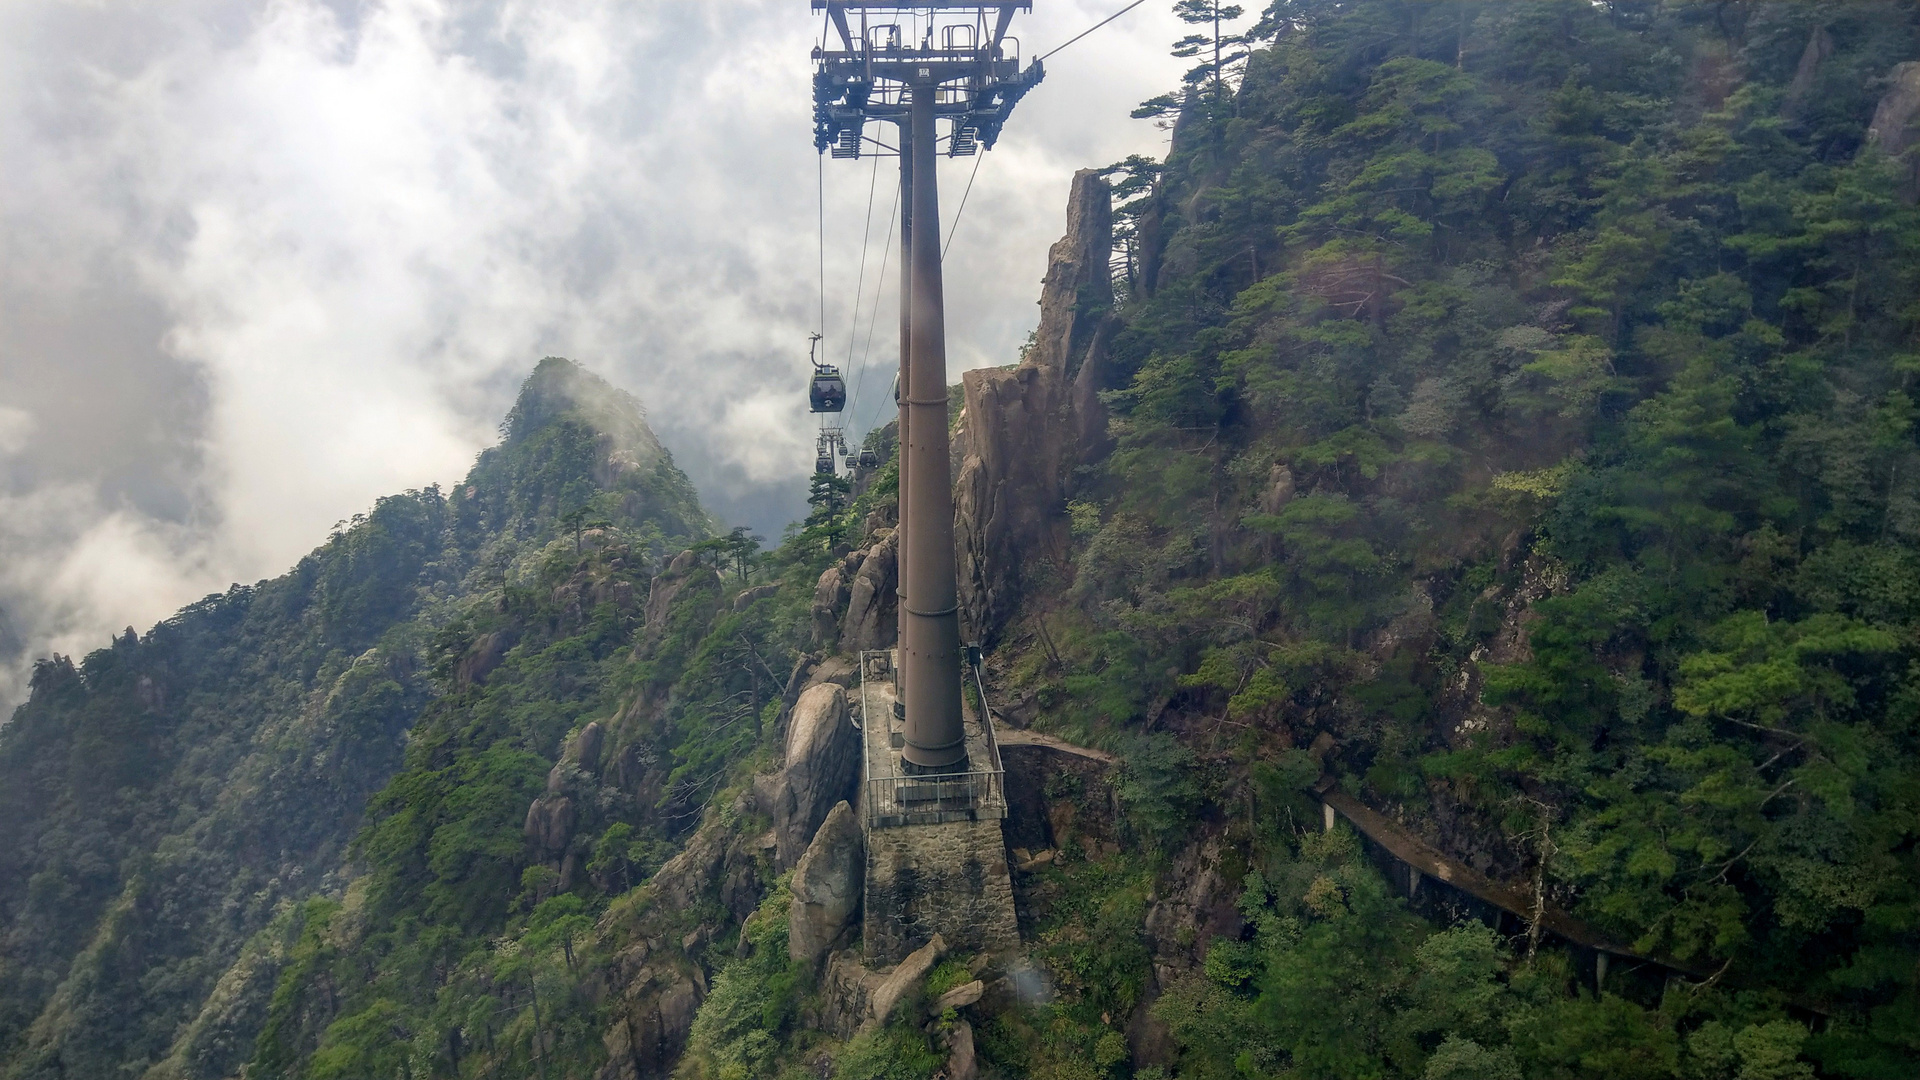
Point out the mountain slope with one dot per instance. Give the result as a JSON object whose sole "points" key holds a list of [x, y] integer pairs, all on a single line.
{"points": [[1506, 418], [169, 796], [1512, 406]]}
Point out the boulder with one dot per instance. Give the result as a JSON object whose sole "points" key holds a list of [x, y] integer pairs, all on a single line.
{"points": [[961, 1062], [759, 592], [482, 658], [822, 767], [1819, 49], [903, 979], [829, 596], [1279, 493], [1892, 128], [549, 824], [740, 890], [584, 748], [958, 998], [871, 596], [846, 990], [839, 670], [826, 886], [690, 875]]}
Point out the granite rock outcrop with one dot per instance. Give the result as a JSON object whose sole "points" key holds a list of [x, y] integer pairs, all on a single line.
{"points": [[826, 886], [1026, 428], [822, 767]]}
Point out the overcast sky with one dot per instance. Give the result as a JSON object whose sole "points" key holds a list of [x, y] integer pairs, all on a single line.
{"points": [[263, 262]]}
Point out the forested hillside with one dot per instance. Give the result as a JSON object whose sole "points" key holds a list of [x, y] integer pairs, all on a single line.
{"points": [[1520, 394], [1499, 423], [170, 799]]}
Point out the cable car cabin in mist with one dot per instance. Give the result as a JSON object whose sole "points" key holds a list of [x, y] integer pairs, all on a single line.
{"points": [[828, 391], [869, 459], [823, 464]]}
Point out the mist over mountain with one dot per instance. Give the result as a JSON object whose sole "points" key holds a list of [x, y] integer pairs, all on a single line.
{"points": [[264, 262], [1446, 576]]}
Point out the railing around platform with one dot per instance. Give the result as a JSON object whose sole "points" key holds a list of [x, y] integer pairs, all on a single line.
{"points": [[892, 797]]}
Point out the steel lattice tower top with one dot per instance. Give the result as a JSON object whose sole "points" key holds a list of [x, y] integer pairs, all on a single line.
{"points": [[962, 50]]}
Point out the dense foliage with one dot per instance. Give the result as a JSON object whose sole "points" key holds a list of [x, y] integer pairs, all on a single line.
{"points": [[466, 946], [1512, 424], [172, 800], [1520, 394]]}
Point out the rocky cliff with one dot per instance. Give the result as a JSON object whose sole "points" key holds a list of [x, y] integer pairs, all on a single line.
{"points": [[1025, 429]]}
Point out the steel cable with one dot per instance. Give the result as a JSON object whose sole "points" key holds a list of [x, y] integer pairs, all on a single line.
{"points": [[873, 318], [1089, 30], [859, 287]]}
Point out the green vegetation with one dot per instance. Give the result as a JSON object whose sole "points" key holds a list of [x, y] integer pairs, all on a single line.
{"points": [[1519, 394], [174, 800], [1513, 424]]}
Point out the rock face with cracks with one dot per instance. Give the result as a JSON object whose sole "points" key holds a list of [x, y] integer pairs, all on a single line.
{"points": [[962, 1064], [1026, 428], [854, 601], [870, 623], [823, 765], [826, 886], [1893, 128]]}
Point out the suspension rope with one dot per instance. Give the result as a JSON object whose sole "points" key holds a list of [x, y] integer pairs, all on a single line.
{"points": [[979, 155], [820, 334], [1089, 30], [860, 281], [859, 290], [873, 317], [820, 201]]}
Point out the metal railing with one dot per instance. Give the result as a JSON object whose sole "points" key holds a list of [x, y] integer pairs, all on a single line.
{"points": [[891, 798]]}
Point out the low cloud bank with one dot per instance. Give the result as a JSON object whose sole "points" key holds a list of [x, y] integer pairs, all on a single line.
{"points": [[265, 262]]}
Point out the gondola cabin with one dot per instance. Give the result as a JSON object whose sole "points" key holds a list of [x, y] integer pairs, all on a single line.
{"points": [[869, 459], [823, 464], [828, 391]]}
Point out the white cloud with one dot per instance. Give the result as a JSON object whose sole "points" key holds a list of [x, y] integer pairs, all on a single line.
{"points": [[16, 424], [76, 570], [362, 229]]}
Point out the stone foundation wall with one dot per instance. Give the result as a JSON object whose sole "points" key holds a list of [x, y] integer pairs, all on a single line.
{"points": [[949, 879]]}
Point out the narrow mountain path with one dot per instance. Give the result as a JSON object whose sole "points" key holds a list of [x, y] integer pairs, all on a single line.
{"points": [[1418, 854]]}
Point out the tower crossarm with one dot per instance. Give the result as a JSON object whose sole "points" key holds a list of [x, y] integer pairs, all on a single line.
{"points": [[868, 75]]}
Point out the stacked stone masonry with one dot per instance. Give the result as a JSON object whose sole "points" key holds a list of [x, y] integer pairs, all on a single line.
{"points": [[930, 874], [949, 879]]}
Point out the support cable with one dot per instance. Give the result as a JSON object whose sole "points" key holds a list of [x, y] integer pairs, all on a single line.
{"points": [[980, 156], [873, 317], [860, 285], [1089, 30], [820, 202]]}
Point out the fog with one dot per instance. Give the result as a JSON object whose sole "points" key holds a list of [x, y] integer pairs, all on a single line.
{"points": [[261, 263]]}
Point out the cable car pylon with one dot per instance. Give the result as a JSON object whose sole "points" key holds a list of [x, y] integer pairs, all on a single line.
{"points": [[915, 65]]}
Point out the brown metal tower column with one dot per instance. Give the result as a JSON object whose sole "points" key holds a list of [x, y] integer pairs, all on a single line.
{"points": [[929, 612], [906, 370]]}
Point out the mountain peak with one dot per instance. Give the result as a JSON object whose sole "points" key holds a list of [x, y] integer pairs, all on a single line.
{"points": [[574, 440], [561, 389]]}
